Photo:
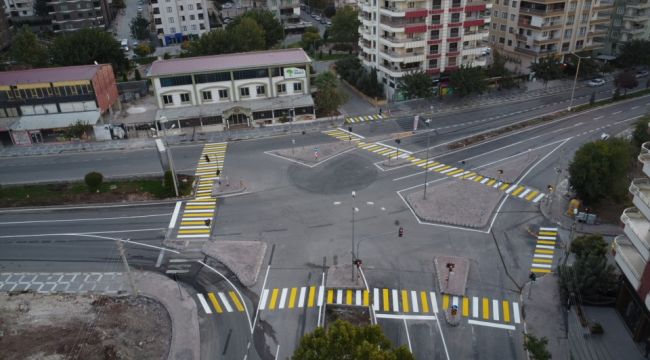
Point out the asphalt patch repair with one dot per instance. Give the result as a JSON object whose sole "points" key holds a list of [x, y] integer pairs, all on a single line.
{"points": [[42, 326]]}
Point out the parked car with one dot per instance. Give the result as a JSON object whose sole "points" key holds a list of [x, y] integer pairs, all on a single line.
{"points": [[329, 22], [317, 18], [227, 5], [596, 82], [139, 9], [641, 73], [323, 20]]}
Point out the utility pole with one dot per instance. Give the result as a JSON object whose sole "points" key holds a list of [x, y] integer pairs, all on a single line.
{"points": [[354, 196], [426, 164], [120, 248], [162, 121]]}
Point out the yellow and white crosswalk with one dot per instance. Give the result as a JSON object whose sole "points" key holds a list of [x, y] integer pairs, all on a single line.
{"points": [[198, 213], [358, 119], [544, 250], [515, 190], [220, 302]]}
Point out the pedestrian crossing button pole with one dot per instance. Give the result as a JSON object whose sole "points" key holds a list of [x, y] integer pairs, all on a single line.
{"points": [[354, 209], [426, 164]]}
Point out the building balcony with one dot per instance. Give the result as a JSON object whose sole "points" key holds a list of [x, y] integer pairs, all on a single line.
{"points": [[542, 12], [399, 26], [597, 32], [629, 260], [403, 56], [638, 4], [599, 20], [635, 16], [392, 11], [601, 6], [538, 42], [477, 61], [529, 52], [640, 189], [476, 36], [366, 7], [644, 157], [402, 41], [637, 229], [397, 71], [366, 22], [633, 30]]}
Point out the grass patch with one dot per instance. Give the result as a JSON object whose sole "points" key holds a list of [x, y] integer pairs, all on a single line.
{"points": [[327, 57], [77, 192]]}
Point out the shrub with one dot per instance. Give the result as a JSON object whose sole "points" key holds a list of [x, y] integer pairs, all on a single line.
{"points": [[169, 183], [93, 180]]}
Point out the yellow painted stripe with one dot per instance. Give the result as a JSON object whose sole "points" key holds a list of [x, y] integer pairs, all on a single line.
{"points": [[465, 307], [519, 190], [209, 214], [486, 309], [504, 187], [274, 299], [546, 242], [192, 222], [544, 251], [478, 178], [292, 298], [445, 302], [425, 302], [412, 158], [200, 207], [506, 311], [194, 231], [235, 299], [452, 173], [532, 195], [366, 298], [491, 182], [540, 270], [466, 176], [386, 304], [312, 295], [548, 233], [442, 168], [373, 147], [405, 301], [215, 303], [348, 297], [330, 296], [543, 261], [418, 162], [382, 152], [432, 164]]}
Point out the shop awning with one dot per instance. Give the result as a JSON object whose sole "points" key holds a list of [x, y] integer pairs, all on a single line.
{"points": [[54, 121]]}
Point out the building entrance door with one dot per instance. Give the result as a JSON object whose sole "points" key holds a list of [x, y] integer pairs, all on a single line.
{"points": [[37, 138]]}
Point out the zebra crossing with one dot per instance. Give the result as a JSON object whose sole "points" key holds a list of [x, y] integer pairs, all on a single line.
{"points": [[383, 301], [544, 250], [514, 190], [358, 119]]}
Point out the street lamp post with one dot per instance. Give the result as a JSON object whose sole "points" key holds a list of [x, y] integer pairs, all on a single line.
{"points": [[426, 164], [162, 122], [575, 79], [354, 209]]}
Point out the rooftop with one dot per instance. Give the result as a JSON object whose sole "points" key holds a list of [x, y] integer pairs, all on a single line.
{"points": [[44, 75], [228, 62]]}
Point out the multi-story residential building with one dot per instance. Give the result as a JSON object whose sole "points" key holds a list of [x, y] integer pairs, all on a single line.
{"points": [[630, 20], [525, 30], [19, 8], [234, 90], [434, 36], [71, 15], [35, 104], [632, 255], [5, 28], [179, 20]]}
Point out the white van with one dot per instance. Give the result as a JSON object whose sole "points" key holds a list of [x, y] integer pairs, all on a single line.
{"points": [[125, 44]]}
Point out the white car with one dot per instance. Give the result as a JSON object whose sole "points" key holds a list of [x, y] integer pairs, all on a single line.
{"points": [[641, 73], [317, 18], [596, 82], [139, 9], [226, 5]]}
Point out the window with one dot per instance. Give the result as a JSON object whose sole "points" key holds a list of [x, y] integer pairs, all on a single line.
{"points": [[181, 7], [223, 94], [201, 25], [511, 30], [198, 6], [452, 61], [567, 33], [168, 100], [201, 16], [509, 42], [502, 27], [453, 32], [185, 97], [437, 4], [207, 95], [171, 20], [435, 19], [192, 17], [583, 31], [244, 92], [169, 9], [512, 17], [297, 87], [620, 10], [176, 81], [502, 40], [212, 77], [250, 74], [433, 49], [455, 17], [184, 27], [183, 18], [514, 3], [157, 21], [172, 29], [435, 34], [190, 6], [617, 22], [193, 26], [494, 25], [260, 90], [282, 88], [496, 13], [504, 15], [433, 63], [505, 2]]}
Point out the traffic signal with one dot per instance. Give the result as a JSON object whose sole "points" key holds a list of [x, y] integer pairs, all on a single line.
{"points": [[350, 128]]}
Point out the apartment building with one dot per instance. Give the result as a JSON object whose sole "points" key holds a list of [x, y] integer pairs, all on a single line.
{"points": [[35, 104], [234, 90], [5, 28], [525, 30], [19, 8], [434, 36], [287, 10], [630, 20], [179, 20], [71, 15], [632, 255]]}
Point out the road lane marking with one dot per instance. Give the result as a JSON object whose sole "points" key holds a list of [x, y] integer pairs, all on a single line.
{"points": [[386, 303], [204, 304], [224, 301], [425, 303], [506, 311], [172, 222], [265, 295], [375, 299], [414, 301], [465, 306], [495, 310], [310, 301], [407, 317], [301, 297], [339, 296], [357, 298], [348, 297], [366, 296], [475, 306], [405, 301], [321, 295], [283, 298], [330, 296], [215, 303], [235, 299], [515, 312], [292, 297], [434, 302], [486, 309], [395, 301], [445, 302], [274, 298], [485, 323]]}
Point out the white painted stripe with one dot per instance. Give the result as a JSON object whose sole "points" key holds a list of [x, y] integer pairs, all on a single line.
{"points": [[547, 229], [190, 227], [301, 297], [193, 236], [414, 301], [358, 298], [405, 317], [539, 197], [485, 323], [546, 237], [515, 312], [265, 296], [524, 193], [511, 188], [546, 266], [195, 218], [375, 299], [204, 303], [485, 180], [225, 302], [448, 170], [191, 211], [475, 306], [437, 166], [495, 310], [203, 167], [172, 222], [454, 301], [461, 174], [545, 247], [283, 298], [321, 294], [339, 296], [205, 203], [434, 302], [395, 301], [210, 178], [497, 184], [543, 256], [177, 271]]}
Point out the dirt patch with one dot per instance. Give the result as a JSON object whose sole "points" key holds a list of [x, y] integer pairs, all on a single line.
{"points": [[39, 326], [356, 315], [305, 154]]}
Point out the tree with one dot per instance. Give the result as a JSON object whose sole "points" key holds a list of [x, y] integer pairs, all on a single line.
{"points": [[329, 11], [143, 49], [118, 4], [626, 80], [136, 75], [311, 38], [77, 130], [634, 53], [345, 26], [468, 80], [40, 8], [641, 132], [582, 245], [247, 35], [375, 88], [498, 70], [328, 96], [547, 68], [598, 170], [273, 29], [213, 42], [536, 347], [87, 46], [416, 85], [589, 68], [93, 180], [343, 340], [140, 28], [27, 50]]}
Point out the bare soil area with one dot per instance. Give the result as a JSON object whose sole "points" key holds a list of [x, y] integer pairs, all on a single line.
{"points": [[53, 327]]}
